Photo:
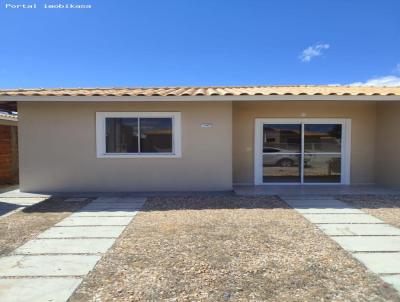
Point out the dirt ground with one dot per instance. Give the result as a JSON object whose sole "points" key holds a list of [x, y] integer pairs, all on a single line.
{"points": [[385, 207], [24, 225], [227, 248]]}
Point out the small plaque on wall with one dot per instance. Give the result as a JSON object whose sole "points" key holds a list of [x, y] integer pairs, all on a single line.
{"points": [[206, 125]]}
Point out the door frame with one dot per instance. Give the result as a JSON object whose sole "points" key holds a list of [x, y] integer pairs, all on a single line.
{"points": [[345, 148]]}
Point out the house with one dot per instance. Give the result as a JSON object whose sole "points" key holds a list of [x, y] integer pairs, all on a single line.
{"points": [[205, 138], [8, 149]]}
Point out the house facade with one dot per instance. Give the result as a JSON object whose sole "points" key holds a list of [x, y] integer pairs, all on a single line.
{"points": [[207, 138]]}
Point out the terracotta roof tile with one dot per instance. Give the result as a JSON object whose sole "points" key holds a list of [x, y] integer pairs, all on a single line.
{"points": [[210, 91]]}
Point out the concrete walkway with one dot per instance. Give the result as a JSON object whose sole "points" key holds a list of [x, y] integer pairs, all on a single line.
{"points": [[10, 205], [370, 240], [51, 267]]}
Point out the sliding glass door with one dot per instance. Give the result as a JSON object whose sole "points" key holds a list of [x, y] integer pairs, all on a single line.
{"points": [[302, 151]]}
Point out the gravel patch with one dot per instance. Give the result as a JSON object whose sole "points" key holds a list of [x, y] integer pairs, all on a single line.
{"points": [[227, 248], [384, 207], [24, 225]]}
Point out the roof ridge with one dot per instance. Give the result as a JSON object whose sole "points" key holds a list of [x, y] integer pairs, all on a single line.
{"points": [[195, 87]]}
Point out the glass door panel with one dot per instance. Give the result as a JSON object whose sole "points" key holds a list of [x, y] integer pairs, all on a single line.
{"points": [[281, 168], [281, 153], [282, 137], [322, 138], [322, 153], [322, 168]]}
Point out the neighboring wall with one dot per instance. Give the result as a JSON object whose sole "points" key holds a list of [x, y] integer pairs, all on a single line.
{"points": [[388, 144], [58, 149], [362, 115], [8, 154]]}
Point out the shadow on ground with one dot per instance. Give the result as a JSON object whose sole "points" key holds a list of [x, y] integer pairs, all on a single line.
{"points": [[6, 207], [202, 202]]}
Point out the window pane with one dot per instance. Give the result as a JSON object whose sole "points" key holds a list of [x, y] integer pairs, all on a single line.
{"points": [[281, 168], [282, 137], [322, 137], [121, 135], [322, 168], [156, 135]]}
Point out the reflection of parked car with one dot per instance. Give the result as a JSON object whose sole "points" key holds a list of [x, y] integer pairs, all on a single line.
{"points": [[282, 158]]}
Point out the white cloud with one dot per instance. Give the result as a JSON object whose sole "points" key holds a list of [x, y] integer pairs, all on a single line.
{"points": [[380, 81], [313, 51]]}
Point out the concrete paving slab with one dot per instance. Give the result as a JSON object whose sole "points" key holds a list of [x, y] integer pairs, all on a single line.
{"points": [[327, 210], [38, 289], [111, 207], [307, 196], [94, 213], [394, 280], [380, 263], [47, 265], [369, 243], [313, 199], [76, 199], [116, 204], [65, 246], [341, 218], [24, 201], [106, 199], [6, 211], [304, 204], [359, 229], [85, 221], [128, 200], [83, 232]]}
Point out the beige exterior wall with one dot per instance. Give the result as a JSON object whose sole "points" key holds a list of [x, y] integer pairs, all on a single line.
{"points": [[58, 149], [363, 124], [388, 144]]}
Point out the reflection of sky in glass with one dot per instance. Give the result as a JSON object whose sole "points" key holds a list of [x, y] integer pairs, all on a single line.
{"points": [[294, 127], [146, 124], [327, 129]]}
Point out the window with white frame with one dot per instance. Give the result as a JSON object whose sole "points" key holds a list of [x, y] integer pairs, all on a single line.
{"points": [[138, 134]]}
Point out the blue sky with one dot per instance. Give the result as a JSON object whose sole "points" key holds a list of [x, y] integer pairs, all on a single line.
{"points": [[209, 42]]}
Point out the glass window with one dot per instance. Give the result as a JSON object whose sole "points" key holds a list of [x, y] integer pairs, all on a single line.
{"points": [[155, 135], [282, 137], [121, 135]]}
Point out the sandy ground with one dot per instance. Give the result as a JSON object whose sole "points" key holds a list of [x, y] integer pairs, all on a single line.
{"points": [[19, 227]]}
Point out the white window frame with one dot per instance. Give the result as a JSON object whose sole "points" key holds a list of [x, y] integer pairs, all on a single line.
{"points": [[345, 151], [101, 134]]}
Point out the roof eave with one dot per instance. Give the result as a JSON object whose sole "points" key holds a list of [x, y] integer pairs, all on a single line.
{"points": [[200, 98]]}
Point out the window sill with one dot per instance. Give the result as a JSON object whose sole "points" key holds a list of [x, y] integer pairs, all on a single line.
{"points": [[139, 156]]}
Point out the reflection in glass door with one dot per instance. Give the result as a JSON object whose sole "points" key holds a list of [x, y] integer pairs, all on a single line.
{"points": [[322, 153], [302, 152], [281, 153]]}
